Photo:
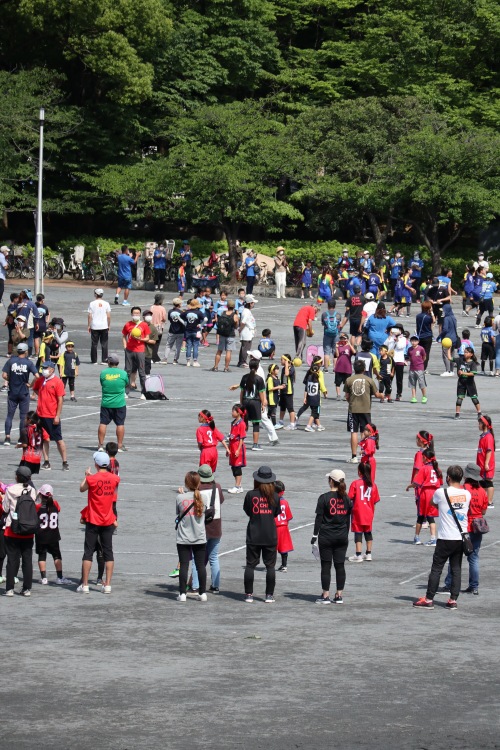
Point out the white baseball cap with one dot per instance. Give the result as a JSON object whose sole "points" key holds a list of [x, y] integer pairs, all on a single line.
{"points": [[250, 298], [255, 354], [337, 475], [369, 295]]}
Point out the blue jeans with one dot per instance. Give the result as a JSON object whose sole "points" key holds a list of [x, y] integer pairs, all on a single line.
{"points": [[192, 344], [24, 407], [212, 555], [473, 561], [497, 353]]}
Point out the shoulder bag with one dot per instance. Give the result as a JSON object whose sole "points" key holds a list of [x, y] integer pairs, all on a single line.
{"points": [[480, 525], [181, 515], [466, 542], [210, 511]]}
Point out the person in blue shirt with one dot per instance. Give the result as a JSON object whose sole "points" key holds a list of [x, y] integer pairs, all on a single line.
{"points": [[375, 282], [266, 346], [345, 262], [187, 254], [239, 303], [488, 345], [396, 265], [250, 265], [160, 266], [488, 289], [356, 281], [125, 263], [416, 265], [306, 280], [366, 263], [16, 373]]}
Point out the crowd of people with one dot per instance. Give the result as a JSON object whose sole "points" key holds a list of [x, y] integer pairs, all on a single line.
{"points": [[368, 349]]}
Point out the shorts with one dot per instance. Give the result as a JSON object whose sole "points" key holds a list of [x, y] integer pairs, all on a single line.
{"points": [[329, 342], [416, 377], [341, 377], [357, 422], [53, 430], [226, 343], [360, 528], [467, 389], [124, 283], [254, 410], [486, 483], [354, 327], [39, 334], [52, 548], [34, 468], [286, 402], [95, 534], [113, 415], [237, 471]]}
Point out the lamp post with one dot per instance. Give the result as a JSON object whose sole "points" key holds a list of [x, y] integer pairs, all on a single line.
{"points": [[39, 228]]}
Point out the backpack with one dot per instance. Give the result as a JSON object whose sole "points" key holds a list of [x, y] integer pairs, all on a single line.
{"points": [[26, 520], [324, 289], [154, 388], [225, 325], [330, 323]]}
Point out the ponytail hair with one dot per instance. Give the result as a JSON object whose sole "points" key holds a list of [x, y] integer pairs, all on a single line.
{"points": [[486, 421], [207, 418], [426, 438], [430, 458], [267, 490], [192, 481], [240, 410], [339, 487], [365, 473], [374, 433]]}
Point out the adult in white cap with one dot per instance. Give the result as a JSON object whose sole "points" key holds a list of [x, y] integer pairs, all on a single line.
{"points": [[247, 329], [331, 535], [101, 489], [369, 307], [280, 268], [16, 373], [98, 325], [4, 250]]}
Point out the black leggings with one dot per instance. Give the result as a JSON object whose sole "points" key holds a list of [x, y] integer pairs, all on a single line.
{"points": [[198, 551], [159, 274], [358, 536], [400, 372], [254, 552], [332, 551], [19, 551], [429, 519], [426, 344]]}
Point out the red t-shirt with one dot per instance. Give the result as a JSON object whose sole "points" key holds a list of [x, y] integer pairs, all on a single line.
{"points": [[49, 391], [102, 493], [426, 478], [285, 513], [133, 344], [34, 439], [418, 462], [364, 499], [304, 315], [486, 443], [238, 433], [207, 437], [478, 503]]}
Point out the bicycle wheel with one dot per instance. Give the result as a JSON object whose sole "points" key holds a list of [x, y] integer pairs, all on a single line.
{"points": [[52, 268], [14, 270], [27, 270], [89, 273], [109, 273]]}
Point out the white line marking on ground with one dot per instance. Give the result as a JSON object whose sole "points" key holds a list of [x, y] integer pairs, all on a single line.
{"points": [[426, 572], [237, 549]]}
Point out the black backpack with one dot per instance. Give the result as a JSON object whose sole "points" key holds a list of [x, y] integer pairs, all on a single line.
{"points": [[225, 325], [27, 521]]}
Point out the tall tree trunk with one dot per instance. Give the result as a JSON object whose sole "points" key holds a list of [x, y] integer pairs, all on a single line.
{"points": [[380, 236], [231, 230]]}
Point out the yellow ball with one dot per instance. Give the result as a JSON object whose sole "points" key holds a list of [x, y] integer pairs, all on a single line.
{"points": [[446, 343], [310, 333], [136, 333], [297, 362]]}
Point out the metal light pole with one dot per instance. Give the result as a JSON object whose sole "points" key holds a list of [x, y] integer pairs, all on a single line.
{"points": [[39, 228]]}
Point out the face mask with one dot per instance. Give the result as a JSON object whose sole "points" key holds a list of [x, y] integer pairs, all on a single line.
{"points": [[136, 317], [58, 327], [148, 318], [45, 372]]}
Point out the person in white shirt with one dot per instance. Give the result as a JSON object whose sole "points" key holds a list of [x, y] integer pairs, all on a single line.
{"points": [[370, 306], [247, 329], [99, 321], [449, 545], [3, 267], [397, 343]]}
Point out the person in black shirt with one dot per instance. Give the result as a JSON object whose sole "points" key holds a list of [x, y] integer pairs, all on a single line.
{"points": [[69, 371], [253, 400], [176, 331], [331, 535], [354, 313], [438, 295], [262, 506]]}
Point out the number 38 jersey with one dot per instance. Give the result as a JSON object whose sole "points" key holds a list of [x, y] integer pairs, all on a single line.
{"points": [[48, 516]]}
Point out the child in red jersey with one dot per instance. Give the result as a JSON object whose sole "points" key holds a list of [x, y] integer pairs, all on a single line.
{"points": [[285, 544], [424, 440], [364, 495], [48, 536], [427, 480], [369, 445], [31, 441], [237, 451], [114, 467], [486, 456], [208, 436]]}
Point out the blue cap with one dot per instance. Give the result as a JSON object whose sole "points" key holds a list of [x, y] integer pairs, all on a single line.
{"points": [[48, 363]]}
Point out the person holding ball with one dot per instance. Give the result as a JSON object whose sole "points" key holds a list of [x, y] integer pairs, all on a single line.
{"points": [[135, 335], [449, 340]]}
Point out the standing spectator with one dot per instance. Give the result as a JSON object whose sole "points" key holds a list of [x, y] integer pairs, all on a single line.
{"points": [[280, 268], [449, 331], [251, 267], [135, 349], [42, 322], [101, 489], [114, 383], [27, 309], [262, 506], [449, 545], [151, 341], [99, 323], [50, 390], [439, 296], [330, 323], [194, 319], [125, 263], [416, 358], [4, 250], [159, 319], [302, 325], [176, 331], [227, 323], [424, 322], [246, 329], [160, 266], [377, 326], [187, 256], [16, 373], [396, 264], [18, 547], [354, 314], [416, 265], [10, 322], [496, 327], [488, 289], [213, 530], [191, 535], [359, 389]]}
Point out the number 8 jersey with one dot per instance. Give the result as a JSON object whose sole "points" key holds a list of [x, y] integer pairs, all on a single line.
{"points": [[49, 523]]}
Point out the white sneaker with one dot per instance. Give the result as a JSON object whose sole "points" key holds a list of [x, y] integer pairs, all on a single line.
{"points": [[291, 426], [320, 428], [308, 429], [143, 397], [196, 363], [368, 557], [43, 581], [181, 597], [63, 581], [83, 589], [356, 558], [188, 363], [279, 426], [234, 490], [2, 579], [106, 589], [10, 592], [203, 598], [353, 460]]}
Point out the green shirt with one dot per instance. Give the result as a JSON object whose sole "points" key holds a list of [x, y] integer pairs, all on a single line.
{"points": [[113, 383]]}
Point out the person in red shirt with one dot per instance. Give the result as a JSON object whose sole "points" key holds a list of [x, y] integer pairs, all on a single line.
{"points": [[100, 518], [19, 547], [486, 456], [135, 350], [237, 450], [208, 436], [369, 445], [302, 325], [364, 496], [285, 544], [50, 390], [426, 481]]}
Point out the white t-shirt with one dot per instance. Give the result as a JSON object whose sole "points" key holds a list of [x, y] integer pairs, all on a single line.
{"points": [[398, 345], [99, 310], [460, 499], [370, 308], [3, 266], [247, 320]]}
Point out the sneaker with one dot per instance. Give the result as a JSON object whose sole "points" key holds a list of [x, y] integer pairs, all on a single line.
{"points": [[390, 401], [188, 363], [464, 312], [25, 592], [257, 447], [117, 299], [7, 442], [193, 593], [163, 361], [356, 558], [72, 397], [279, 426], [44, 581], [430, 543], [424, 399], [398, 398], [65, 466], [126, 303], [106, 589], [478, 326], [444, 590], [174, 573], [308, 429], [175, 362], [234, 490], [424, 603], [352, 460], [63, 581], [269, 599], [451, 604], [240, 490], [99, 582], [323, 600], [249, 598], [337, 599], [274, 442], [413, 401], [416, 540], [196, 363], [214, 590], [291, 426], [203, 598], [143, 397], [491, 506], [282, 569], [457, 416], [181, 597], [46, 466], [367, 557], [10, 592], [320, 428], [471, 590], [122, 449], [2, 579]]}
